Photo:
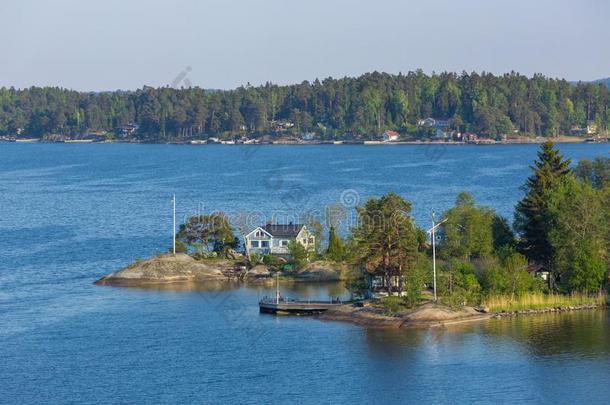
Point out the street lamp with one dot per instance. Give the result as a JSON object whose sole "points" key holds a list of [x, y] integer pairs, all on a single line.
{"points": [[174, 227], [432, 232]]}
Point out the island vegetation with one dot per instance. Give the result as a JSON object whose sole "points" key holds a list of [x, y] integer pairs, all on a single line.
{"points": [[555, 254], [330, 109]]}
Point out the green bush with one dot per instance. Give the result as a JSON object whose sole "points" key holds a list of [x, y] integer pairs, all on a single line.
{"points": [[393, 304], [269, 260], [254, 259], [458, 284]]}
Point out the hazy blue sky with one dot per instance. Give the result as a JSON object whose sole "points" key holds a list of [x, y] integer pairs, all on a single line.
{"points": [[122, 44]]}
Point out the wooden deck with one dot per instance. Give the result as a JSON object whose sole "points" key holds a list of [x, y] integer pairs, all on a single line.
{"points": [[270, 306]]}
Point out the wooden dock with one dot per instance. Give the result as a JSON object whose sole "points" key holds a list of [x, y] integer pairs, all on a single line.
{"points": [[273, 306]]}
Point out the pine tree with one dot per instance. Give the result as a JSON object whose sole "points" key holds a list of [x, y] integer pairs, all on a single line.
{"points": [[532, 218], [386, 238], [335, 245]]}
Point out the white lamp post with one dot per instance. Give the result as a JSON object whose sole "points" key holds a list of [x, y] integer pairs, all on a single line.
{"points": [[432, 232], [174, 228]]}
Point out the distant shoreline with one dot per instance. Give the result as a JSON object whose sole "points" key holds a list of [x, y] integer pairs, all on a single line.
{"points": [[309, 143]]}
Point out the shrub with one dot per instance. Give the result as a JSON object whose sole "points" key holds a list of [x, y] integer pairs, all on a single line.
{"points": [[393, 304], [254, 259]]}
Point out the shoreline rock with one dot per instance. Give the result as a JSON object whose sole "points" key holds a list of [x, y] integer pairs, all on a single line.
{"points": [[423, 316], [535, 311], [320, 271], [167, 268], [430, 315]]}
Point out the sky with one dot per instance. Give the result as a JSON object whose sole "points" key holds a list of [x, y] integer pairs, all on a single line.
{"points": [[98, 45]]}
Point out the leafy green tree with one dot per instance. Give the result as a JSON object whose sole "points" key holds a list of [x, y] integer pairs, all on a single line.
{"points": [[386, 238], [518, 280], [492, 277], [532, 219], [578, 236], [507, 275], [458, 284], [415, 280], [468, 230], [596, 172], [298, 255], [208, 232]]}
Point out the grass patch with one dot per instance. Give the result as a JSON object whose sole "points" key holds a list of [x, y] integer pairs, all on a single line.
{"points": [[499, 303], [392, 304]]}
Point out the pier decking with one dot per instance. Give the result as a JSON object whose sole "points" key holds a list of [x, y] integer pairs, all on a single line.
{"points": [[272, 306]]}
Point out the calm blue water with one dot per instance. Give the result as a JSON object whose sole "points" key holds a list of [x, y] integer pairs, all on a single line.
{"points": [[72, 213]]}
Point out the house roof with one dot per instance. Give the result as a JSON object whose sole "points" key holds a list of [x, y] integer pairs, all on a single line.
{"points": [[254, 229], [285, 230], [391, 133]]}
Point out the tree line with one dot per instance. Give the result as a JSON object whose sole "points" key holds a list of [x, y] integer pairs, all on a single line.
{"points": [[354, 108]]}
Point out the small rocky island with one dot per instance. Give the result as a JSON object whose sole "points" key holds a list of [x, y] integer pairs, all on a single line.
{"points": [[169, 268], [480, 261]]}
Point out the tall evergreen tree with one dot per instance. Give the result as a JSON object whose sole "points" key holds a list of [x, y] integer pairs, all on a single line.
{"points": [[532, 218], [335, 250]]}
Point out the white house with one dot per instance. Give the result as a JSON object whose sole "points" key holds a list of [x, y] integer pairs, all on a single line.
{"points": [[441, 127], [390, 136], [273, 239]]}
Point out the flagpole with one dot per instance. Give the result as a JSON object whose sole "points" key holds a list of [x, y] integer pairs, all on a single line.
{"points": [[434, 253], [174, 229]]}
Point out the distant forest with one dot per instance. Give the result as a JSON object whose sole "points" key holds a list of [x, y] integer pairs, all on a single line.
{"points": [[357, 108]]}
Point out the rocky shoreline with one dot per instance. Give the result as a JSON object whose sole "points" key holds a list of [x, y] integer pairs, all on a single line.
{"points": [[166, 269], [430, 315], [182, 268], [522, 312], [424, 316]]}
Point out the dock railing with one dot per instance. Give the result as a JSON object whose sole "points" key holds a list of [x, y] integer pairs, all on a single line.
{"points": [[285, 300]]}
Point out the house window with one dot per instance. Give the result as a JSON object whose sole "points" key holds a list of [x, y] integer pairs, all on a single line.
{"points": [[265, 243], [284, 243], [259, 233], [254, 243]]}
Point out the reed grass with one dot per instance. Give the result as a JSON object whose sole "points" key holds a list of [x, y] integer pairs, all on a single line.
{"points": [[499, 303]]}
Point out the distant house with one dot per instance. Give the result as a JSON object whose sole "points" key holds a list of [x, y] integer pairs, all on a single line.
{"points": [[281, 126], [591, 128], [274, 238], [390, 136], [309, 136], [127, 130], [440, 126], [539, 271], [470, 137]]}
